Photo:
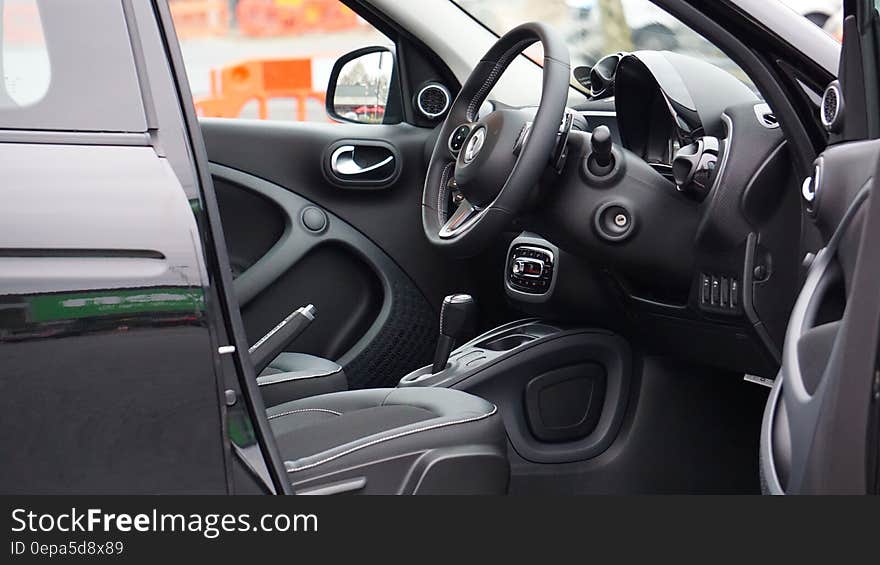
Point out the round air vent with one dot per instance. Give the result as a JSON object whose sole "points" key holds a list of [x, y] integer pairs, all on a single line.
{"points": [[831, 112], [433, 100]]}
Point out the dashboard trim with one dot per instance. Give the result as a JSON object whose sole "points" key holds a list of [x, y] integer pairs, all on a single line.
{"points": [[724, 154]]}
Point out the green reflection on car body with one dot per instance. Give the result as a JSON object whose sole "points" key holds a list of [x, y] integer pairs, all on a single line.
{"points": [[65, 306]]}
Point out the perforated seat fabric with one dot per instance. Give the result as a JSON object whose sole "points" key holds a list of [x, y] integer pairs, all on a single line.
{"points": [[321, 435]]}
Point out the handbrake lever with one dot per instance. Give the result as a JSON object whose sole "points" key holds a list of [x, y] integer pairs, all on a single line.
{"points": [[270, 345]]}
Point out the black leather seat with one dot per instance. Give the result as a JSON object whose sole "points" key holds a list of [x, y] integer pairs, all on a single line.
{"points": [[403, 440]]}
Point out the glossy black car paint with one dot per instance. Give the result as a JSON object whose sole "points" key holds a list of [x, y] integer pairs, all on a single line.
{"points": [[110, 377]]}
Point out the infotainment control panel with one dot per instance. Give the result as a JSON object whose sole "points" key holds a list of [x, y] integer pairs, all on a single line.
{"points": [[531, 268]]}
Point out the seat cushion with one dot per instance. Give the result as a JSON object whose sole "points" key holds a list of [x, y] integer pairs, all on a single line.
{"points": [[323, 435]]}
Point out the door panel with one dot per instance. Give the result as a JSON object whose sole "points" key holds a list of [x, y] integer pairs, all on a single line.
{"points": [[820, 423], [293, 156], [258, 221], [370, 271]]}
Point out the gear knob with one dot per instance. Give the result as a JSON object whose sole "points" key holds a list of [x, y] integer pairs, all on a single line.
{"points": [[458, 315]]}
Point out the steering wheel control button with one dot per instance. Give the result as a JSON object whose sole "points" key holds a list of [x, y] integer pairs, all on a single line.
{"points": [[613, 222], [314, 219], [456, 140], [719, 294]]}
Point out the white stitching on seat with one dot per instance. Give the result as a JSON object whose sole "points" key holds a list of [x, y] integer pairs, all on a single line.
{"points": [[334, 412], [268, 381], [292, 468]]}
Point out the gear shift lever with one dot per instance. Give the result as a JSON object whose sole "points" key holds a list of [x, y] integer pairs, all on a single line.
{"points": [[457, 317]]}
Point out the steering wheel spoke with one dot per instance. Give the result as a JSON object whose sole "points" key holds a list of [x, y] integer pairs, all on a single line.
{"points": [[463, 215]]}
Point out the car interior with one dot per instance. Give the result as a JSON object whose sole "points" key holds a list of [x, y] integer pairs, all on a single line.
{"points": [[589, 294]]}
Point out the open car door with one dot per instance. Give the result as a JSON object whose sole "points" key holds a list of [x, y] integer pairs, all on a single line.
{"points": [[820, 428]]}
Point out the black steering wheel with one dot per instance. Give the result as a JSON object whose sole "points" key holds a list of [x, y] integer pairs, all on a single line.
{"points": [[503, 154]]}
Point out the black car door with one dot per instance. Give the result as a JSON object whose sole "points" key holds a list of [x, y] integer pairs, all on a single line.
{"points": [[349, 241], [820, 426]]}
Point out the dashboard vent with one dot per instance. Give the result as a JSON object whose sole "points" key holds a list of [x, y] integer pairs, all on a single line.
{"points": [[433, 100], [831, 111]]}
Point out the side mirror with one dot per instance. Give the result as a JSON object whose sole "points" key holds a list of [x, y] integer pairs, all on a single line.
{"points": [[361, 87]]}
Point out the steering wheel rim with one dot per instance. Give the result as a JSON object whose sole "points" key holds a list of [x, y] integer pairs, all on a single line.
{"points": [[506, 146]]}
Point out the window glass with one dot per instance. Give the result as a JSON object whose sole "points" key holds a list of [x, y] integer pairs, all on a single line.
{"points": [[25, 61], [266, 59], [595, 28], [827, 14]]}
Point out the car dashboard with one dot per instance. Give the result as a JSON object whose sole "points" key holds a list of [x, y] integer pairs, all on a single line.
{"points": [[707, 266]]}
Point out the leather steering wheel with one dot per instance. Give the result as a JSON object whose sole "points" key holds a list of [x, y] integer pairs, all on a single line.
{"points": [[504, 153]]}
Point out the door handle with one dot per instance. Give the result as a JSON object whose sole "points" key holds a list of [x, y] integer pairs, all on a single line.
{"points": [[343, 164]]}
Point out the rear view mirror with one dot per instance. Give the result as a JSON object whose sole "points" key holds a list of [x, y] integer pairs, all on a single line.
{"points": [[361, 85]]}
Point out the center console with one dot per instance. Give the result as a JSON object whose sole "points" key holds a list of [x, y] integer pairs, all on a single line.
{"points": [[482, 352], [561, 389]]}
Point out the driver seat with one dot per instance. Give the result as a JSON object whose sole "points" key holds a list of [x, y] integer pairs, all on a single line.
{"points": [[392, 441]]}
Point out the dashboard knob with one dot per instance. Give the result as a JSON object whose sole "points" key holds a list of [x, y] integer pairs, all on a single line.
{"points": [[601, 159], [693, 167]]}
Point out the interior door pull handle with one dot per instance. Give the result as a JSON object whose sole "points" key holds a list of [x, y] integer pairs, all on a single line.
{"points": [[342, 162]]}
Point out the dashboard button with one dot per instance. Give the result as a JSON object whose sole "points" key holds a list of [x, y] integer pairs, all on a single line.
{"points": [[705, 289]]}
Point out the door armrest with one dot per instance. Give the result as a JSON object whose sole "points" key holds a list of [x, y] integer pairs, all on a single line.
{"points": [[292, 376]]}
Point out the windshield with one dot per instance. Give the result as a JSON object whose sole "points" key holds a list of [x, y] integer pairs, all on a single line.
{"points": [[595, 28]]}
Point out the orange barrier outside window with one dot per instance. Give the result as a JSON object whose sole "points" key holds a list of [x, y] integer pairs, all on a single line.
{"points": [[200, 18], [234, 86]]}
